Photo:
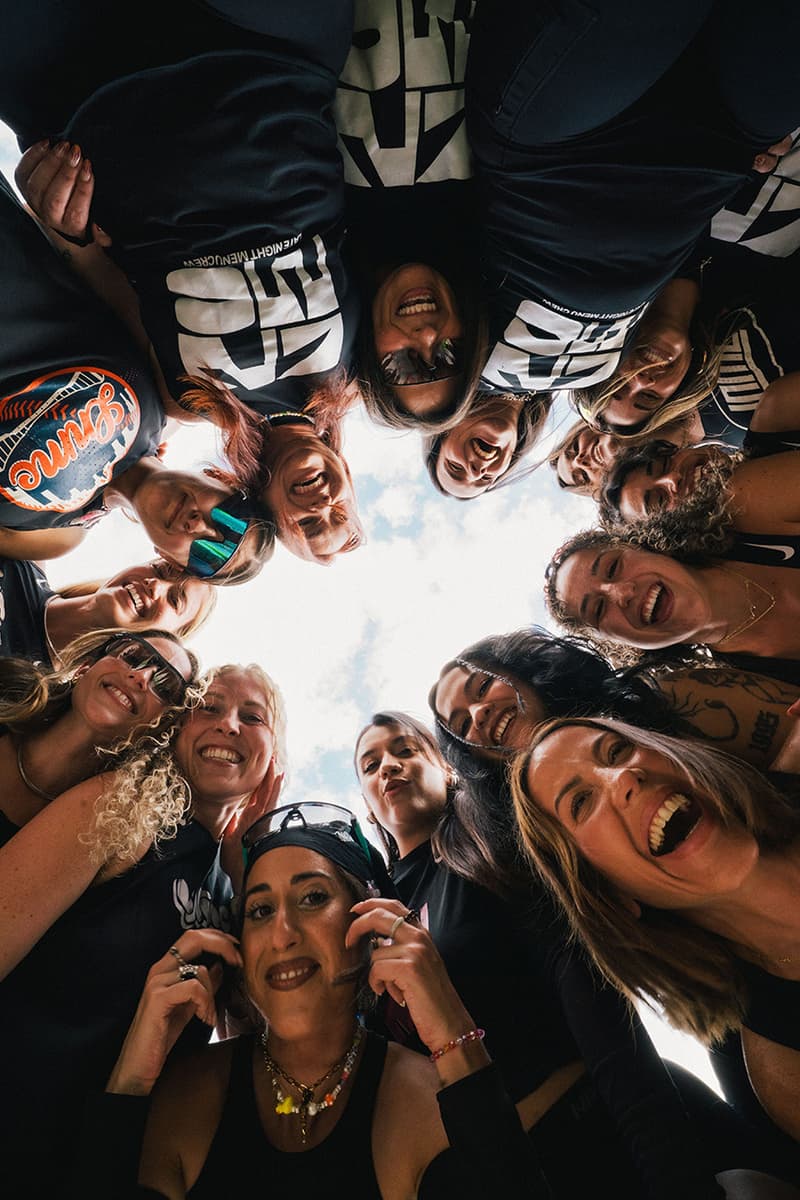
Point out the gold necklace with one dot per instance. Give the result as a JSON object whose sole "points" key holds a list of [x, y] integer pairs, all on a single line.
{"points": [[752, 617], [307, 1107]]}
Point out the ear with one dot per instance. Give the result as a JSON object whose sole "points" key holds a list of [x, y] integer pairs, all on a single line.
{"points": [[452, 779]]}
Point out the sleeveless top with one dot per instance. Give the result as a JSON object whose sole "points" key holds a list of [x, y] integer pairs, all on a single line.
{"points": [[341, 1164]]}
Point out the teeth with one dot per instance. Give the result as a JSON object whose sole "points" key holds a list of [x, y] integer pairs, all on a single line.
{"points": [[416, 306], [123, 699], [308, 484], [138, 602], [484, 450], [501, 727], [662, 818], [218, 752], [650, 603], [285, 976]]}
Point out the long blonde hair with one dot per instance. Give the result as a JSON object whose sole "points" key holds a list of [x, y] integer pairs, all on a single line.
{"points": [[659, 956]]}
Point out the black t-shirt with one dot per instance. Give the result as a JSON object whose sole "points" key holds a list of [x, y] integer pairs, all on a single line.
{"points": [[78, 403], [773, 1007], [24, 592], [219, 181], [581, 235], [68, 1004]]}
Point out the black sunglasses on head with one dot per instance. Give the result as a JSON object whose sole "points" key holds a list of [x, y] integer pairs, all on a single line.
{"points": [[166, 682], [404, 368]]}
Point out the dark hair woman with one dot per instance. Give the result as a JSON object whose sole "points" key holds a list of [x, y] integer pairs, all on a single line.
{"points": [[676, 866], [314, 930], [551, 1029], [104, 878]]}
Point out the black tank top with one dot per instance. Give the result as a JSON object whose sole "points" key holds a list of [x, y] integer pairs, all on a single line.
{"points": [[341, 1165]]}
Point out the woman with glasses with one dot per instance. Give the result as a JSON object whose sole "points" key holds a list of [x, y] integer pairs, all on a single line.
{"points": [[110, 873], [552, 1029]]}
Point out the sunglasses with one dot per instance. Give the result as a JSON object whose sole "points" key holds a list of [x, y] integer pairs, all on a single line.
{"points": [[231, 518], [306, 814], [166, 682], [403, 368]]}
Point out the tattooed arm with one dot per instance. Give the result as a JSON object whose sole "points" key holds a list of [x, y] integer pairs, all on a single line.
{"points": [[739, 711]]}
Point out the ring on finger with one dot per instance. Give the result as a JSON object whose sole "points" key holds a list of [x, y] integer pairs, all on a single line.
{"points": [[188, 970], [411, 917], [396, 923], [177, 954]]}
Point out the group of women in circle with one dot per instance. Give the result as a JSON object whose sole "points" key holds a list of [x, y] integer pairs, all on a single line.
{"points": [[455, 213]]}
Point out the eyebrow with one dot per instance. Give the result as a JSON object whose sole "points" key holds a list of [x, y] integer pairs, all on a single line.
{"points": [[584, 602], [566, 788]]}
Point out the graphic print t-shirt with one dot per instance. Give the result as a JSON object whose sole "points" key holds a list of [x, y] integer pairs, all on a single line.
{"points": [[77, 402], [24, 592], [219, 182]]}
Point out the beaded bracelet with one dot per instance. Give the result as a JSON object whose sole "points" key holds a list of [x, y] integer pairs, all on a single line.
{"points": [[474, 1035]]}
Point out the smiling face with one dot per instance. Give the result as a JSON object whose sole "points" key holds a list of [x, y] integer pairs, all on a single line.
{"points": [[417, 328], [311, 497], [153, 595], [225, 746], [584, 463], [404, 787], [656, 363], [296, 913], [634, 597], [494, 715], [113, 697], [666, 482], [636, 817], [474, 454]]}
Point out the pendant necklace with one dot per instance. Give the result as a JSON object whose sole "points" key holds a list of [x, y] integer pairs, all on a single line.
{"points": [[307, 1107], [752, 616]]}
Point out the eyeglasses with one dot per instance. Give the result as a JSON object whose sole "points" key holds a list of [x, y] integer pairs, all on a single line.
{"points": [[231, 518], [310, 813], [166, 682], [403, 368]]}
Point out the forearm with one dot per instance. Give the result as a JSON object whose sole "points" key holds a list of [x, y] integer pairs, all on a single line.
{"points": [[37, 545]]}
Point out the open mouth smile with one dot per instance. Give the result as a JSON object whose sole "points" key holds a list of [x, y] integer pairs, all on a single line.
{"points": [[220, 754], [502, 726], [285, 977], [674, 820], [420, 300], [137, 599], [314, 483], [656, 605], [122, 698], [483, 450]]}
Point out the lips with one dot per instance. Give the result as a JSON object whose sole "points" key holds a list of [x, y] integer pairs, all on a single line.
{"points": [[672, 823], [417, 300], [220, 754], [656, 605], [484, 450], [176, 513], [137, 598], [311, 484], [286, 976], [502, 725], [122, 698], [394, 785]]}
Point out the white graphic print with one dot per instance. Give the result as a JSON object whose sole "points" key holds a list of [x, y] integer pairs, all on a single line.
{"points": [[766, 217], [748, 366], [263, 320], [197, 910], [544, 349], [400, 100]]}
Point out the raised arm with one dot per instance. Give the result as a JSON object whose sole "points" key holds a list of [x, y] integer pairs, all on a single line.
{"points": [[36, 545], [767, 494], [44, 869], [740, 712], [778, 409]]}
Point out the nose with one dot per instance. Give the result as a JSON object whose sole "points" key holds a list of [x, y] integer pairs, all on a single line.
{"points": [[480, 714], [389, 765], [227, 721], [619, 591], [283, 929], [624, 787], [426, 339]]}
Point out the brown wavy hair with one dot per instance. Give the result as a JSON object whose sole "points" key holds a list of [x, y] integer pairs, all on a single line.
{"points": [[660, 956]]}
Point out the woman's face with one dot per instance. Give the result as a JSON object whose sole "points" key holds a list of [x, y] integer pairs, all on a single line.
{"points": [[225, 746], [636, 817], [474, 454], [660, 357], [404, 788], [665, 483], [494, 715], [584, 463], [311, 497], [175, 508], [114, 697], [633, 596], [417, 328], [296, 914], [153, 595]]}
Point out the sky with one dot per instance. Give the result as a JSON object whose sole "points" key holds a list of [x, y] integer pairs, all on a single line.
{"points": [[372, 630]]}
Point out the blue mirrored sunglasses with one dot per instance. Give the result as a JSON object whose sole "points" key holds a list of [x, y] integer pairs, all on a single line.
{"points": [[231, 518]]}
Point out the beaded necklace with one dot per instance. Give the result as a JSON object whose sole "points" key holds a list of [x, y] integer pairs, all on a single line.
{"points": [[307, 1107]]}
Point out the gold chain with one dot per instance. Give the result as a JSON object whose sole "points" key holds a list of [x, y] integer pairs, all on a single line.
{"points": [[753, 617]]}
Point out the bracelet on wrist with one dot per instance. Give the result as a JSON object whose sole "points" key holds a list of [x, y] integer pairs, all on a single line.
{"points": [[472, 1035]]}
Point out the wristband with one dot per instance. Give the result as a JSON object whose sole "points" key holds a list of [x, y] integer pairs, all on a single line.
{"points": [[473, 1035]]}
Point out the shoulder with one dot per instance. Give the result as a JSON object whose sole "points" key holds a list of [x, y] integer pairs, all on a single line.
{"points": [[407, 1132]]}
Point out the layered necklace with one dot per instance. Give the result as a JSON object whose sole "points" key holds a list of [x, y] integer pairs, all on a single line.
{"points": [[752, 601], [306, 1107]]}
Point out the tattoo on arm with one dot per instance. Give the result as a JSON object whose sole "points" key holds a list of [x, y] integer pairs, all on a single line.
{"points": [[766, 724]]}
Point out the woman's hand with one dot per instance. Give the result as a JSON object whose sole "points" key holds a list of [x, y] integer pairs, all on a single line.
{"points": [[58, 184], [263, 800], [768, 161], [176, 990], [407, 965]]}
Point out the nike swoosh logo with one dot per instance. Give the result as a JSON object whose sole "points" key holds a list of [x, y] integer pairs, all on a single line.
{"points": [[787, 551]]}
